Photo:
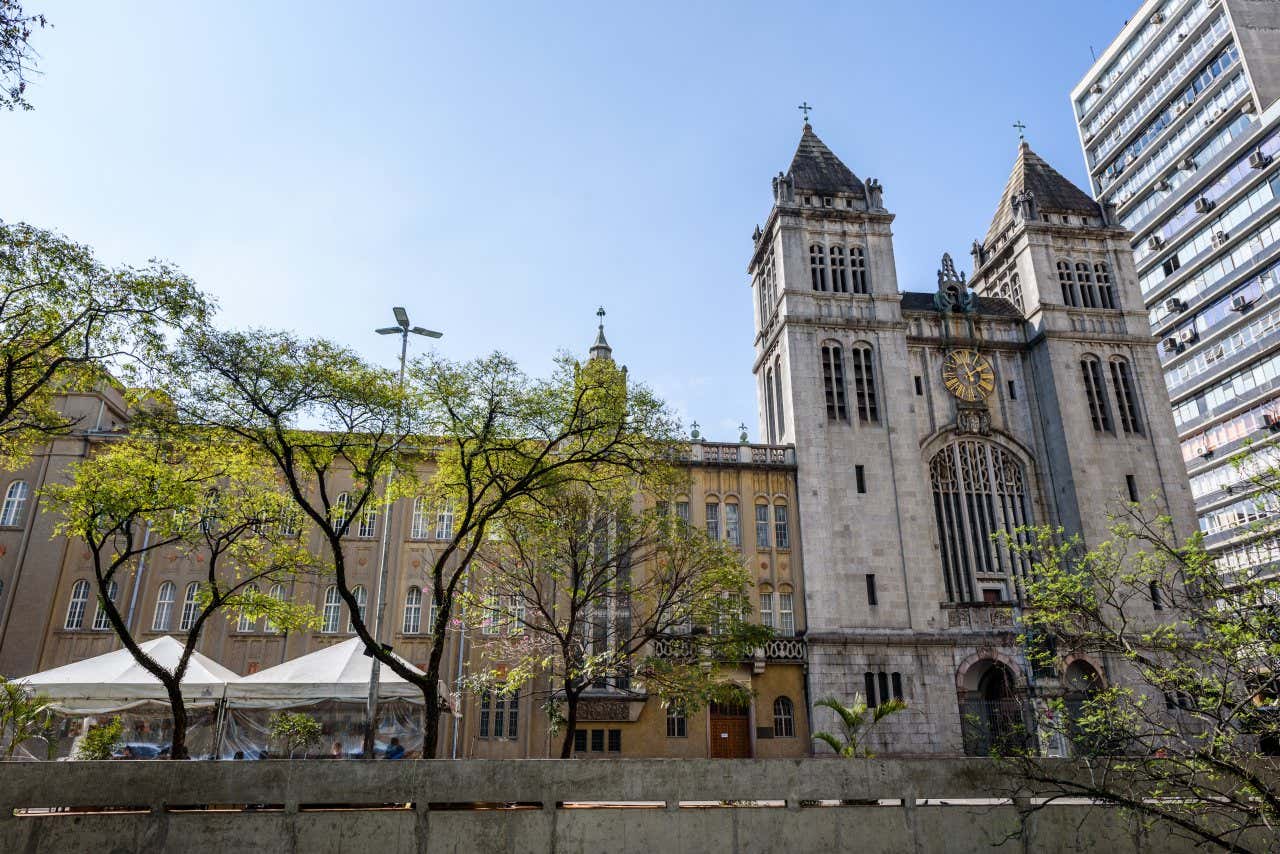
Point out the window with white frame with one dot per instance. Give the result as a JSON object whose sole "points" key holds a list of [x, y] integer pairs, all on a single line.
{"points": [[332, 610], [15, 499], [362, 599], [420, 522], [190, 607], [100, 620], [713, 520], [732, 524], [786, 614], [515, 614], [247, 624], [677, 723], [76, 606], [491, 623], [781, 529], [277, 593], [444, 521], [762, 526], [766, 607], [412, 623], [163, 617], [340, 510], [368, 522], [784, 718]]}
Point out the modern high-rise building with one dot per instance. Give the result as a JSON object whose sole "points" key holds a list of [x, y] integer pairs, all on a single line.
{"points": [[1179, 119]]}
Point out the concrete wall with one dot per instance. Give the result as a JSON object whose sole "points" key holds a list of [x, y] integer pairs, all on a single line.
{"points": [[437, 808]]}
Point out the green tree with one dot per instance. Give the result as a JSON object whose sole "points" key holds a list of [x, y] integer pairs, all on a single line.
{"points": [[855, 722], [17, 56], [580, 586], [65, 319], [295, 731], [1180, 730], [101, 741], [492, 435], [23, 715], [204, 494]]}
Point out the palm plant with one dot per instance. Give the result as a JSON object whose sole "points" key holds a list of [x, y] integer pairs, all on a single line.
{"points": [[23, 715], [856, 721]]}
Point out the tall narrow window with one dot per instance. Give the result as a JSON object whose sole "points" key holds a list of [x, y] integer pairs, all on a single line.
{"points": [[1131, 487], [1084, 279], [818, 267], [432, 613], [1157, 602], [766, 608], [368, 522], [1096, 394], [682, 511], [784, 718], [1015, 291], [420, 526], [769, 406], [677, 723], [762, 526], [75, 608], [486, 702], [247, 624], [781, 403], [362, 599], [786, 614], [869, 685], [864, 383], [1126, 397], [15, 499], [839, 277], [1106, 293], [190, 607], [871, 590], [491, 622], [444, 521], [412, 623], [100, 620], [833, 382], [513, 714], [713, 520], [860, 479], [732, 524], [781, 531], [1068, 283], [164, 607], [340, 510], [515, 614], [858, 270], [277, 593], [897, 685], [332, 610]]}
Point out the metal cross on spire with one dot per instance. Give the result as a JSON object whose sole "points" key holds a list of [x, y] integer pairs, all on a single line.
{"points": [[1020, 127], [600, 314], [805, 108]]}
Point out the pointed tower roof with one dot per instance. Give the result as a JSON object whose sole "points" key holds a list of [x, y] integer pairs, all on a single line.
{"points": [[1052, 192], [816, 168], [601, 349]]}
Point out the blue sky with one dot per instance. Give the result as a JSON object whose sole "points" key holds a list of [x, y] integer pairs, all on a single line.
{"points": [[501, 169]]}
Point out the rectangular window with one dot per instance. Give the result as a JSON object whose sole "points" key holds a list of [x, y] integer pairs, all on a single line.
{"points": [[615, 741], [677, 724], [864, 383], [884, 686], [713, 521], [1013, 391], [897, 685], [869, 685], [919, 386], [858, 270], [766, 610], [871, 589], [1096, 395], [484, 714], [762, 526], [597, 741], [782, 536], [786, 615], [513, 715], [682, 510], [580, 740], [499, 710], [860, 477], [833, 383], [368, 523], [1126, 400], [1157, 601], [1131, 484], [732, 524]]}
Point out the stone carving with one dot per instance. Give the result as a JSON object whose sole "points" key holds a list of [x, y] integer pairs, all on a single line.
{"points": [[1024, 205], [972, 419], [604, 710], [875, 194]]}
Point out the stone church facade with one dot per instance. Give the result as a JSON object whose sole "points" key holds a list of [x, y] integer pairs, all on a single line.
{"points": [[925, 422]]}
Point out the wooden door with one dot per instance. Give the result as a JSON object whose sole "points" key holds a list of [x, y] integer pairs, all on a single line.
{"points": [[730, 733]]}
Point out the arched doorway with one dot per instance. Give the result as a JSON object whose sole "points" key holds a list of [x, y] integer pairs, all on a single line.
{"points": [[993, 710], [730, 731]]}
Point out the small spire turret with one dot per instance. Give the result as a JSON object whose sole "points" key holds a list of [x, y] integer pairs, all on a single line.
{"points": [[601, 349]]}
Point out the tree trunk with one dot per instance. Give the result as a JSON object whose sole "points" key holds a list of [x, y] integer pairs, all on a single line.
{"points": [[571, 719], [178, 710], [431, 704]]}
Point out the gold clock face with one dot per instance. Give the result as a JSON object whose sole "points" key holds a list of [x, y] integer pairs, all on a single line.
{"points": [[968, 375]]}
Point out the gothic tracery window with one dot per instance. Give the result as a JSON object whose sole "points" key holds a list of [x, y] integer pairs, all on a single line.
{"points": [[858, 270], [833, 382], [1106, 294], [979, 490], [839, 275], [1126, 396], [1096, 394], [864, 382], [818, 267], [1068, 282], [1084, 279]]}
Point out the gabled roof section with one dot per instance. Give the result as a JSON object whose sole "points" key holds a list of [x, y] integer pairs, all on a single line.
{"points": [[816, 168], [1052, 192]]}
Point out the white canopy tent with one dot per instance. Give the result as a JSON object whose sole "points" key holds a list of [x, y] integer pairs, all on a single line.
{"points": [[115, 680], [337, 672]]}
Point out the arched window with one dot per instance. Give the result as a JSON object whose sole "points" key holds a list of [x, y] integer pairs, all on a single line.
{"points": [[677, 723], [818, 267], [781, 528], [444, 521], [419, 526], [75, 608], [413, 611], [100, 621], [163, 616], [368, 522], [1084, 279], [190, 604], [340, 510], [864, 382], [782, 407], [784, 718], [732, 524], [766, 606], [288, 524], [786, 612], [332, 609], [277, 593], [858, 270], [769, 406], [1015, 291], [1106, 294], [713, 520], [431, 615], [1068, 283], [15, 499], [246, 623], [833, 382], [362, 598], [979, 490], [1126, 396], [1096, 394], [839, 278], [762, 525]]}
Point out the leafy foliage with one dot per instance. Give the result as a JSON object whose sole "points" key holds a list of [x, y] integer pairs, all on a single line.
{"points": [[23, 715], [101, 741], [17, 56], [295, 731], [855, 722]]}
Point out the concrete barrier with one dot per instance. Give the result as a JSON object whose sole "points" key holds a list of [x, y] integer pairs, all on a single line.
{"points": [[643, 806]]}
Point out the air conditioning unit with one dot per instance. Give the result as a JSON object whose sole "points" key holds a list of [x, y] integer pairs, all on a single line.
{"points": [[1187, 164], [1180, 108], [1204, 451], [1228, 488], [1258, 160], [1096, 88], [1171, 345], [1163, 185], [1173, 305], [1220, 238], [1187, 336], [1157, 19], [1154, 242], [1181, 36], [1240, 302], [1204, 204], [1271, 421]]}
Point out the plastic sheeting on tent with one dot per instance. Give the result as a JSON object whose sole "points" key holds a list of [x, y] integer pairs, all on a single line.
{"points": [[116, 681], [337, 672]]}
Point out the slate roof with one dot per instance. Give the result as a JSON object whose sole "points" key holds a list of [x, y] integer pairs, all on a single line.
{"points": [[815, 167], [988, 306], [1053, 193]]}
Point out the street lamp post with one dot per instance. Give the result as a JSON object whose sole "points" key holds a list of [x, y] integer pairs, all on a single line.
{"points": [[404, 330]]}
